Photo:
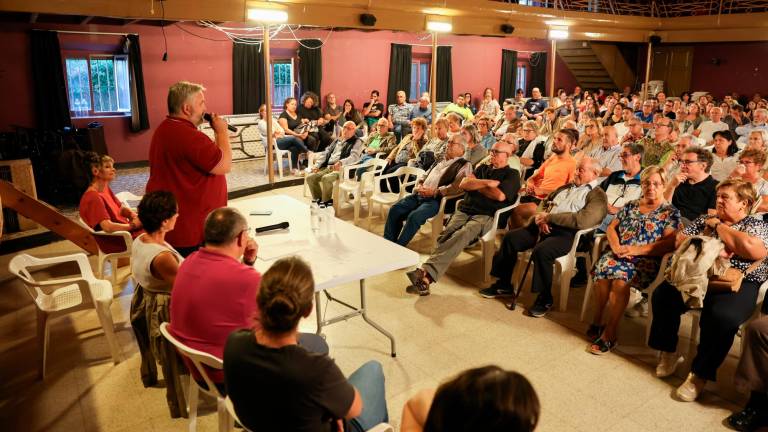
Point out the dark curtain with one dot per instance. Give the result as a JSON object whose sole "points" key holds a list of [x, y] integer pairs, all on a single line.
{"points": [[51, 105], [508, 75], [310, 66], [139, 115], [399, 72], [444, 84], [248, 85], [538, 62]]}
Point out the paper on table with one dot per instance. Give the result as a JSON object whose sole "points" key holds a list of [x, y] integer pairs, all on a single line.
{"points": [[278, 250]]}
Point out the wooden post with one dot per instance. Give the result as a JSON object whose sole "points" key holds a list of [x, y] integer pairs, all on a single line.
{"points": [[268, 103], [433, 83], [644, 92], [552, 73]]}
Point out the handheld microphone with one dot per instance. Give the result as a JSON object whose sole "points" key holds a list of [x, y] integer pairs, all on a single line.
{"points": [[207, 117], [281, 225]]}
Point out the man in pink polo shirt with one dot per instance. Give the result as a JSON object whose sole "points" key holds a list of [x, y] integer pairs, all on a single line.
{"points": [[215, 289], [184, 161]]}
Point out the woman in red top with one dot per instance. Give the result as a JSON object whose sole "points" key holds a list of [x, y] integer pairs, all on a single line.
{"points": [[99, 207]]}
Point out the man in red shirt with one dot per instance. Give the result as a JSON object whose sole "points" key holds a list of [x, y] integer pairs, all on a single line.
{"points": [[215, 292], [184, 161]]}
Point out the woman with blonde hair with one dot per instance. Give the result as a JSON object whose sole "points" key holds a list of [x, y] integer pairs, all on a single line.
{"points": [[641, 233], [99, 207]]}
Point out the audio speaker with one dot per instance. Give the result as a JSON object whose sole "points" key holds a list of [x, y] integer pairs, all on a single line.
{"points": [[507, 28], [655, 39], [368, 19]]}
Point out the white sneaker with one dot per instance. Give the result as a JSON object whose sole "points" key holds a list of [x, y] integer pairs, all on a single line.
{"points": [[667, 364], [640, 309], [691, 388]]}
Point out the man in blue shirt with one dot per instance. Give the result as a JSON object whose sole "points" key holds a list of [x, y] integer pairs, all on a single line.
{"points": [[646, 115], [423, 109]]}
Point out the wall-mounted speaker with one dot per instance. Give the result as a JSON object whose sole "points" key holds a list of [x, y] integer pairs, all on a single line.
{"points": [[655, 39], [367, 19], [507, 28]]}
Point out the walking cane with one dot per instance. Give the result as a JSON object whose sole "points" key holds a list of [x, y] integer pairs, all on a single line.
{"points": [[516, 292]]}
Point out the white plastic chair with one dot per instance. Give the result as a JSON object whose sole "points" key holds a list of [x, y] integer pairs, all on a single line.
{"points": [[436, 221], [488, 240], [406, 176], [311, 161], [566, 266], [56, 297], [120, 240], [201, 360], [358, 189]]}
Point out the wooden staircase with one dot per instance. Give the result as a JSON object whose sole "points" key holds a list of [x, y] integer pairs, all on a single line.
{"points": [[596, 64]]}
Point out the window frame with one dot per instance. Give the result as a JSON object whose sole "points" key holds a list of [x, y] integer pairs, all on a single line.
{"points": [[419, 61], [92, 113], [522, 81], [278, 104]]}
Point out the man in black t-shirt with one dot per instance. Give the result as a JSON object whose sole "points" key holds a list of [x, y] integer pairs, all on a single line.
{"points": [[492, 187], [692, 191], [535, 106], [373, 109]]}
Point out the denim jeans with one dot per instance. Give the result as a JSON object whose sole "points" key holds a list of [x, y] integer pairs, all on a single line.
{"points": [[293, 145], [414, 211], [369, 381]]}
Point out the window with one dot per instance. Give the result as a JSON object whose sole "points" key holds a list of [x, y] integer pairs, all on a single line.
{"points": [[521, 75], [98, 85], [282, 81], [419, 78]]}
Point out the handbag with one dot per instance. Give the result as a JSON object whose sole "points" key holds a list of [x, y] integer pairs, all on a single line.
{"points": [[730, 280]]}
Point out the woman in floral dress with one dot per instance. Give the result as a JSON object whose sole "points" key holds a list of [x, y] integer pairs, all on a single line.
{"points": [[641, 233]]}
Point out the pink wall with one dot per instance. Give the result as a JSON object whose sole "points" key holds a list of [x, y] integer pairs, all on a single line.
{"points": [[354, 62], [743, 68]]}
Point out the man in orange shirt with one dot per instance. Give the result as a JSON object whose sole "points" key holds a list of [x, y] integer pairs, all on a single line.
{"points": [[556, 171]]}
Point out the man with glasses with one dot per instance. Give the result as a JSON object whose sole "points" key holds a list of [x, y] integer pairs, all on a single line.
{"points": [[441, 180], [380, 141], [346, 150], [692, 191], [635, 131], [575, 206], [607, 154], [623, 186], [646, 115], [660, 144], [490, 188]]}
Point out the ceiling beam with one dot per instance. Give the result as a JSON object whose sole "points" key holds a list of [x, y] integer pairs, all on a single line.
{"points": [[131, 21], [471, 17]]}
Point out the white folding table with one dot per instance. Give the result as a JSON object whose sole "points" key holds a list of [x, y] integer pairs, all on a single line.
{"points": [[350, 254]]}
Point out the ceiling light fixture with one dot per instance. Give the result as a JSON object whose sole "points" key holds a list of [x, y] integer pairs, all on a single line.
{"points": [[440, 24], [268, 15]]}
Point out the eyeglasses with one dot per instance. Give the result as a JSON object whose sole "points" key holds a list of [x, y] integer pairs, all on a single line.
{"points": [[654, 184], [746, 162], [688, 162], [248, 231], [625, 155], [498, 152], [528, 130], [663, 124]]}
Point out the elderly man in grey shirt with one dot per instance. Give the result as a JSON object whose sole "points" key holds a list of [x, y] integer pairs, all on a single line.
{"points": [[441, 180], [346, 150]]}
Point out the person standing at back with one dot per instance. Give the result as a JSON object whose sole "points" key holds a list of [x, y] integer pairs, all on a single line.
{"points": [[185, 162]]}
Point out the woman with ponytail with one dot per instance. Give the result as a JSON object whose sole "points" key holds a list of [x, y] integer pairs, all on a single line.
{"points": [[275, 383]]}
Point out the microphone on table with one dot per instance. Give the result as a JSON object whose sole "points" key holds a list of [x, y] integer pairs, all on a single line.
{"points": [[207, 117], [279, 226]]}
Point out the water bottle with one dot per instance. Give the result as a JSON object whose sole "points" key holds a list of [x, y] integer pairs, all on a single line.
{"points": [[330, 220], [322, 217], [314, 217]]}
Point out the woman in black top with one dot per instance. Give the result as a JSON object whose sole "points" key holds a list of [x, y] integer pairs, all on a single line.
{"points": [[309, 113], [349, 113], [277, 385], [289, 120]]}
